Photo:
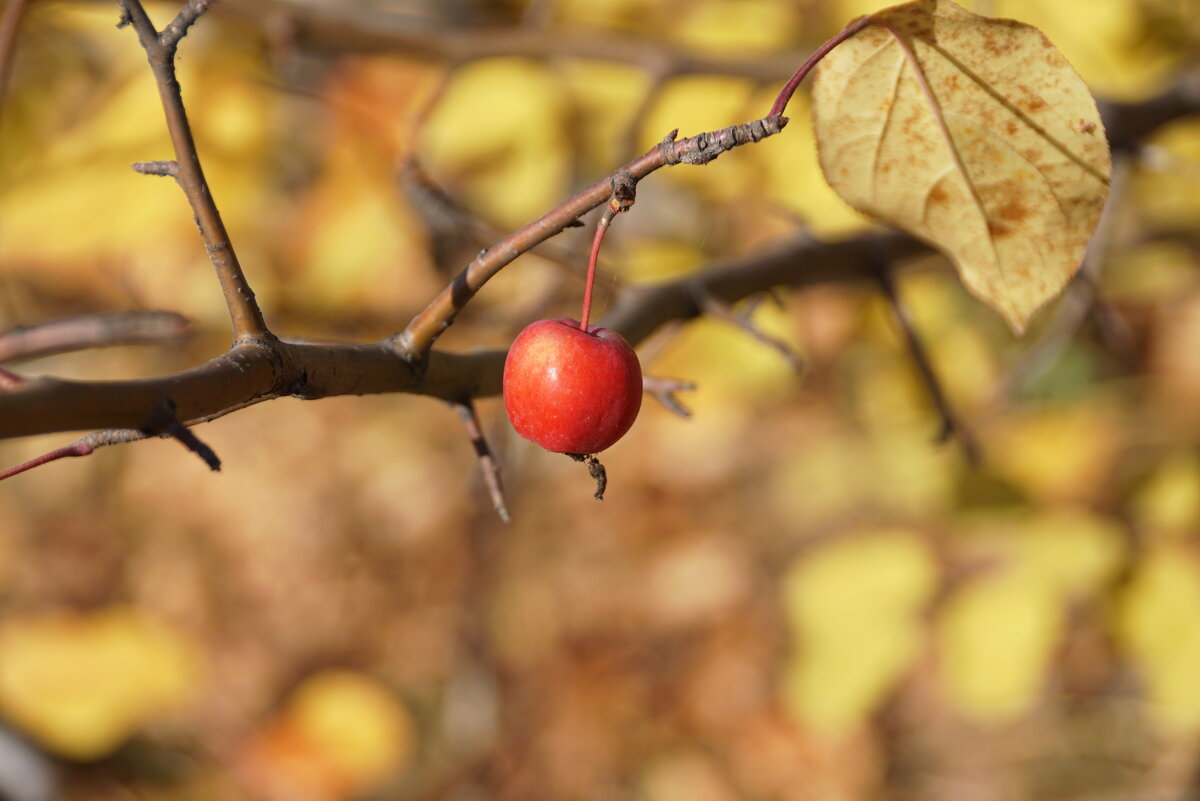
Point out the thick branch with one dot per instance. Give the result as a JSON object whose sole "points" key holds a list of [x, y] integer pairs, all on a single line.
{"points": [[160, 50], [251, 373]]}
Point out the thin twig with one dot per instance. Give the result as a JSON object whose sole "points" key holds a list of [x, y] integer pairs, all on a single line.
{"points": [[424, 329], [92, 331], [951, 425], [487, 462], [447, 217], [664, 391], [9, 24], [178, 28], [724, 311], [165, 423], [164, 168], [83, 446], [244, 312]]}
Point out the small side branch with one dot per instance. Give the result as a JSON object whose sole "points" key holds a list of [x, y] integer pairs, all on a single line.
{"points": [[951, 425], [703, 148], [83, 446], [487, 462], [246, 316], [664, 391], [178, 28], [165, 423], [92, 331], [164, 168], [416, 340], [723, 311]]}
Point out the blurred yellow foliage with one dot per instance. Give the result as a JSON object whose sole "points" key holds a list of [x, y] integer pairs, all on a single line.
{"points": [[747, 26], [697, 103], [650, 260], [80, 684], [1159, 626], [606, 98], [1058, 453], [1100, 40], [518, 169], [996, 637], [367, 252], [790, 177], [352, 721], [340, 733], [854, 608], [1168, 504], [1165, 190], [998, 634], [649, 645]]}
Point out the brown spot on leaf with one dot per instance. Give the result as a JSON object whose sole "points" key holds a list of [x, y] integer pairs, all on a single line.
{"points": [[1014, 211], [1032, 104], [998, 230]]}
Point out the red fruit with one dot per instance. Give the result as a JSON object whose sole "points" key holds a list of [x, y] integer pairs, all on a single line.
{"points": [[569, 390]]}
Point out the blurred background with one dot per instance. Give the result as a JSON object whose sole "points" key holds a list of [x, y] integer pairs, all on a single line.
{"points": [[797, 593]]}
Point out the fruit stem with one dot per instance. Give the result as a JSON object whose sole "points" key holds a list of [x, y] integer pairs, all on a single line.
{"points": [[601, 230], [789, 88]]}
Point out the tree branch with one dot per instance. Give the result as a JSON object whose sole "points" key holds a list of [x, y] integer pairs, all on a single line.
{"points": [[9, 24], [360, 28], [247, 318], [487, 462], [260, 367], [951, 425], [92, 331], [426, 327], [254, 372]]}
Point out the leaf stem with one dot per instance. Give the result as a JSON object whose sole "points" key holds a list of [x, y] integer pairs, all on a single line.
{"points": [[789, 88]]}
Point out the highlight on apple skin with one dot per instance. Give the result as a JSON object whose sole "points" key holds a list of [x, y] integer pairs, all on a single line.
{"points": [[570, 390]]}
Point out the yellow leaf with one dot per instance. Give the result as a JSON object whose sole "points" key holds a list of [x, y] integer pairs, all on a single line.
{"points": [[1159, 626], [996, 637], [352, 722], [497, 139], [81, 684], [1169, 502], [854, 610], [974, 134], [748, 26], [1107, 42], [1055, 453]]}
